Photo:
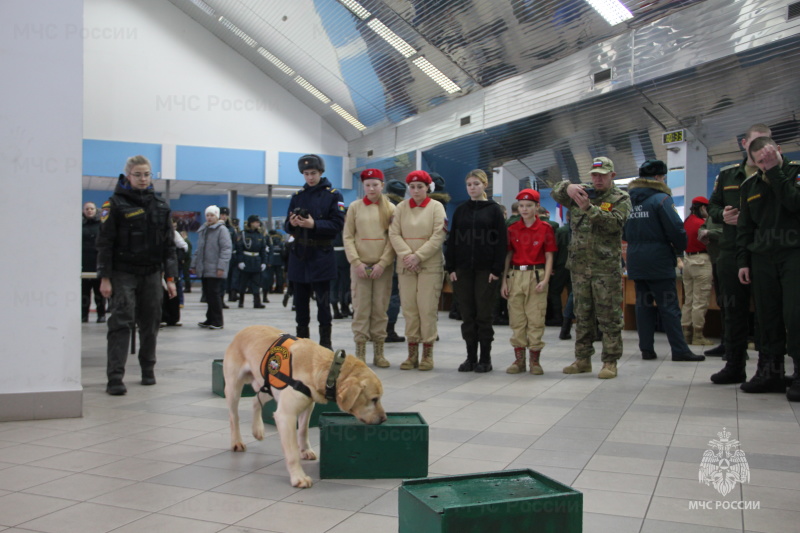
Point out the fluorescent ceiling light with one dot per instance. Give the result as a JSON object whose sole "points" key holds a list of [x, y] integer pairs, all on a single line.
{"points": [[348, 117], [392, 38], [357, 9], [275, 61], [205, 7], [436, 75], [235, 29], [613, 11], [313, 90]]}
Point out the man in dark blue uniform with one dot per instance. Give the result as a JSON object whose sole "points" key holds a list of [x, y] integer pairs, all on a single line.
{"points": [[274, 271], [135, 247], [656, 237], [315, 216], [251, 258]]}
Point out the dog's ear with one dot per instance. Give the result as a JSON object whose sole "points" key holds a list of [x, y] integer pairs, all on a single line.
{"points": [[348, 392]]}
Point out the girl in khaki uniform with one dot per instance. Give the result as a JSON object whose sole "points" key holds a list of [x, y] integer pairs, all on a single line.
{"points": [[417, 234], [370, 254]]}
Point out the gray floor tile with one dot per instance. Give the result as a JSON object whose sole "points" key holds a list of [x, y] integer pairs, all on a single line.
{"points": [[196, 477]]}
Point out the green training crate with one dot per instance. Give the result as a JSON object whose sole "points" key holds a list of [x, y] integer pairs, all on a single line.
{"points": [[509, 501], [268, 410], [218, 381], [350, 449]]}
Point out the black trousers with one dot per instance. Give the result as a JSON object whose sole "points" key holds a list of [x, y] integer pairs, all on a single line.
{"points": [[87, 286], [776, 291], [558, 280], [251, 280], [274, 273], [135, 299], [665, 295], [736, 300], [476, 298], [213, 289], [302, 302]]}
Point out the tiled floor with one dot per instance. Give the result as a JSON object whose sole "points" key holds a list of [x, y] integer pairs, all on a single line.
{"points": [[157, 459]]}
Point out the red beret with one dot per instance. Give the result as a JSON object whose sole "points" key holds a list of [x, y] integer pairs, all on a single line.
{"points": [[528, 194], [372, 174], [419, 175], [700, 200]]}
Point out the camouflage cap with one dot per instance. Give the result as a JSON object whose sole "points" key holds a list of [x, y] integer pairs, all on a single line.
{"points": [[602, 165]]}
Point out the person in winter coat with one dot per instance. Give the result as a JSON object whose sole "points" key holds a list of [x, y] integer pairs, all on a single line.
{"points": [[135, 253], [656, 238], [315, 216], [417, 234], [371, 256], [474, 254], [91, 227], [210, 263], [251, 260]]}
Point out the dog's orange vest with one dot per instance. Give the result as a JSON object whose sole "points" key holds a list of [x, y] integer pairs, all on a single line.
{"points": [[276, 365]]}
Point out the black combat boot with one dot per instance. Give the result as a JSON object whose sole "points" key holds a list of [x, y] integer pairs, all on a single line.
{"points": [[485, 362], [336, 313], [391, 334], [732, 372], [303, 332], [717, 351], [257, 300], [472, 357], [566, 330], [768, 377], [325, 337]]}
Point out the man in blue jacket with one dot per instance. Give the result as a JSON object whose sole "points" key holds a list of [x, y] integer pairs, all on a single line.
{"points": [[656, 237], [316, 215]]}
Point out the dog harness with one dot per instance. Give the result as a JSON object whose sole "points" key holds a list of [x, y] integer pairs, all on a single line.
{"points": [[276, 369]]}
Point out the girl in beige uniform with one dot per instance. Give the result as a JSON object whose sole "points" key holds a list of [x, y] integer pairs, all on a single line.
{"points": [[417, 234], [370, 254]]}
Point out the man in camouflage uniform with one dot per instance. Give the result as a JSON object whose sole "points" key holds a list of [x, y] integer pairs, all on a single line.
{"points": [[768, 254], [597, 215]]}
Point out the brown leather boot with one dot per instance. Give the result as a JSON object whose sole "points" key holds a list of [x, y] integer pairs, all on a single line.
{"points": [[427, 357], [536, 368], [518, 366], [413, 357]]}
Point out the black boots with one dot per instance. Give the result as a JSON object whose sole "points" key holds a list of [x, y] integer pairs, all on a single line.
{"points": [[472, 358], [732, 372], [336, 313], [717, 351], [485, 362], [303, 332], [115, 387], [566, 329], [391, 334], [325, 337], [768, 377], [148, 377]]}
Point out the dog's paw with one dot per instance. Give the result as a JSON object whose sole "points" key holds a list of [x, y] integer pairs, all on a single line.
{"points": [[308, 455], [259, 433], [302, 482], [239, 447]]}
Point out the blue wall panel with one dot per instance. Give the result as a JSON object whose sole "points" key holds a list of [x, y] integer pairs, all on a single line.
{"points": [[225, 165], [107, 158]]}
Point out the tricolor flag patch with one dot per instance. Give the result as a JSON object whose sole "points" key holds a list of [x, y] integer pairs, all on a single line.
{"points": [[341, 206], [597, 164]]}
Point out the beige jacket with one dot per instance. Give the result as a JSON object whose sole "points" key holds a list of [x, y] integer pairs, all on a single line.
{"points": [[365, 241], [419, 231]]}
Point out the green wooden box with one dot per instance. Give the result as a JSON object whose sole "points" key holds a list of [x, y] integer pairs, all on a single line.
{"points": [[508, 501], [320, 409], [350, 449], [218, 381]]}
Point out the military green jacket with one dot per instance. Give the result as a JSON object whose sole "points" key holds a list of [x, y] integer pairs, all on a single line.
{"points": [[726, 192], [769, 217], [596, 245], [714, 235]]}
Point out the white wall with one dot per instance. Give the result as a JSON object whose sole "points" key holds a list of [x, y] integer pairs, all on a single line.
{"points": [[155, 75], [41, 113]]}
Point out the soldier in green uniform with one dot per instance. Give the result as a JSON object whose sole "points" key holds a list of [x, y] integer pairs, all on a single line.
{"points": [[768, 255], [597, 215], [723, 207]]}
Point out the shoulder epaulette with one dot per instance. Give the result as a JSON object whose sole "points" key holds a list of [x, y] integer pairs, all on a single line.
{"points": [[333, 191], [735, 165]]}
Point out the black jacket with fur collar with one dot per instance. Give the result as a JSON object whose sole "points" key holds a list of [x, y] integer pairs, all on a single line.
{"points": [[654, 231]]}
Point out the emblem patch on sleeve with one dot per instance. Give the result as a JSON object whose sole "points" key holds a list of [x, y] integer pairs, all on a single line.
{"points": [[606, 206]]}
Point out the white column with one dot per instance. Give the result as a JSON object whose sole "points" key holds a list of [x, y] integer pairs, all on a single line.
{"points": [[687, 163], [41, 130]]}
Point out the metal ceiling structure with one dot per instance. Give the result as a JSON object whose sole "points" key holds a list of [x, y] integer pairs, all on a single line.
{"points": [[542, 85]]}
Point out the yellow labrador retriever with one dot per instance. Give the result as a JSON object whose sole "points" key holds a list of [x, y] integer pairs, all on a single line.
{"points": [[358, 390]]}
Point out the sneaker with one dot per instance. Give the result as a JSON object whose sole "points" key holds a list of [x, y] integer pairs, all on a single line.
{"points": [[649, 355], [212, 326], [609, 371], [204, 324]]}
